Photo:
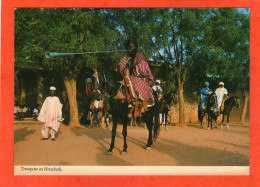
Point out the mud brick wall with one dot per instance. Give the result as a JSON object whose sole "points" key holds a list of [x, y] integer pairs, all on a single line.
{"points": [[190, 113]]}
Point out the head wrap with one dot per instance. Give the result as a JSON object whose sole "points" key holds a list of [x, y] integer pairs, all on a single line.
{"points": [[206, 83], [52, 88], [158, 81], [221, 83]]}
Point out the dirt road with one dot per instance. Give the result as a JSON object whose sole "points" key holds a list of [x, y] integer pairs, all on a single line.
{"points": [[179, 146]]}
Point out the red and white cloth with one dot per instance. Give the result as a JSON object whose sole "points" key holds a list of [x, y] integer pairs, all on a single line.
{"points": [[142, 78], [51, 114]]}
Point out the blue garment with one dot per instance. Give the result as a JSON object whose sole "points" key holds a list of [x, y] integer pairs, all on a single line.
{"points": [[204, 93]]}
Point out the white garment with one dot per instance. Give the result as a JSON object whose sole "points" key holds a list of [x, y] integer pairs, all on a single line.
{"points": [[35, 111], [220, 92], [51, 113], [156, 88], [46, 131], [96, 103], [16, 109]]}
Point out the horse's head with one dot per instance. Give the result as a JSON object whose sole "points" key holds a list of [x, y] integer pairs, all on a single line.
{"points": [[174, 97], [212, 100], [236, 102]]}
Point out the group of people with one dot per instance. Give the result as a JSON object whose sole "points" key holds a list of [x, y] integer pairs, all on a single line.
{"points": [[221, 93], [137, 78], [136, 75]]}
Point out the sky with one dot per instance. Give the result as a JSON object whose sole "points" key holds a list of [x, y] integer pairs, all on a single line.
{"points": [[245, 11]]}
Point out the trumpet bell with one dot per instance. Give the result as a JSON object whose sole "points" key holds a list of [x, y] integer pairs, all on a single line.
{"points": [[47, 55]]}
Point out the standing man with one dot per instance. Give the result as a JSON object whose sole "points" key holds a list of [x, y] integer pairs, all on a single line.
{"points": [[204, 93], [136, 74], [221, 93], [51, 114]]}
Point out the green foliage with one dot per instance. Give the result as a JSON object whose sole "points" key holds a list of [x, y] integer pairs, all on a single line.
{"points": [[39, 31], [200, 44]]}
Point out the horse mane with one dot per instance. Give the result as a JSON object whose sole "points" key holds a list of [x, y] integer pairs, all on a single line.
{"points": [[209, 99], [112, 84], [231, 99], [167, 97]]}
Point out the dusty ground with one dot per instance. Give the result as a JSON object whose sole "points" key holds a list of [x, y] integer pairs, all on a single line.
{"points": [[179, 146]]}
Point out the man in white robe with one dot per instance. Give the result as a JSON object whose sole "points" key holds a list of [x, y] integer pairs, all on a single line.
{"points": [[158, 90], [157, 87], [51, 114], [221, 93]]}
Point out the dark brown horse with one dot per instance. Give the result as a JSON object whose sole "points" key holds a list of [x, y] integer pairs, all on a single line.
{"points": [[211, 109], [229, 104], [165, 104], [119, 110]]}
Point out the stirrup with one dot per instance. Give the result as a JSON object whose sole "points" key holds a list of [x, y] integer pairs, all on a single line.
{"points": [[119, 95], [150, 104]]}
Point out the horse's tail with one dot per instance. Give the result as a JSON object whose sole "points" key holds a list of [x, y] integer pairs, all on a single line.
{"points": [[156, 127]]}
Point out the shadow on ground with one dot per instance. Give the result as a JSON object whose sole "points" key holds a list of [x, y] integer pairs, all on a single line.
{"points": [[20, 134], [187, 155], [102, 137]]}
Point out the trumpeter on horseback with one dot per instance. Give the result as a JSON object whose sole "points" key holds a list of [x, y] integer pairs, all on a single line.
{"points": [[137, 79], [137, 76]]}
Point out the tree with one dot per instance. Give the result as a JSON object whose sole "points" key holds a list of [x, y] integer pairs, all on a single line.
{"points": [[196, 43], [207, 41], [38, 31]]}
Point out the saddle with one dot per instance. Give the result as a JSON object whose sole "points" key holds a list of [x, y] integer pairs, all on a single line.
{"points": [[221, 109], [135, 105]]}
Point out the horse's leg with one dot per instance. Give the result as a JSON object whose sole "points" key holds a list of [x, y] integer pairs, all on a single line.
{"points": [[107, 120], [211, 123], [222, 120], [165, 120], [200, 117], [149, 123], [228, 114], [131, 121], [124, 132], [216, 123], [90, 119], [103, 121], [208, 120], [134, 120], [160, 120], [113, 135], [201, 126]]}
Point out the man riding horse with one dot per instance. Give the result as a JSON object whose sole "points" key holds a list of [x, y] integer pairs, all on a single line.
{"points": [[95, 98], [204, 93], [221, 93], [158, 90], [137, 76]]}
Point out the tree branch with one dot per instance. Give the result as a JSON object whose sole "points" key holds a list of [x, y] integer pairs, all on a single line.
{"points": [[157, 49]]}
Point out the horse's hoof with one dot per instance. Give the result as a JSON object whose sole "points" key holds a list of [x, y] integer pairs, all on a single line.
{"points": [[109, 153], [148, 148], [123, 153]]}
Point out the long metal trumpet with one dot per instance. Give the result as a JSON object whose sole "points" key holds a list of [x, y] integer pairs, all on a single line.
{"points": [[50, 54]]}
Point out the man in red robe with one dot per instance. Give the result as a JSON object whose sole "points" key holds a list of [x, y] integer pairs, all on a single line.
{"points": [[136, 73]]}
